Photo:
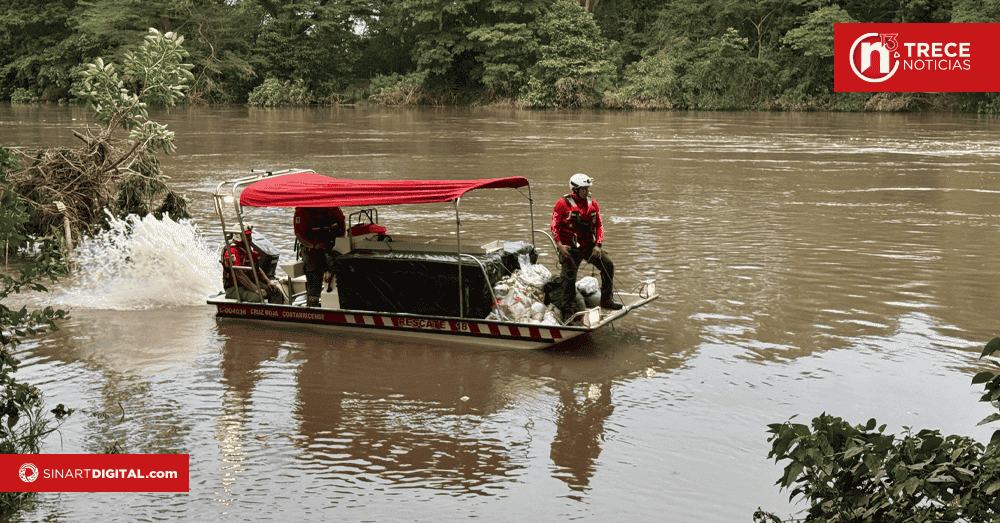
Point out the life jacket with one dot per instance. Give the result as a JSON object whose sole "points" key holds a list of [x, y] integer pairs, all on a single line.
{"points": [[579, 224], [235, 255], [318, 226]]}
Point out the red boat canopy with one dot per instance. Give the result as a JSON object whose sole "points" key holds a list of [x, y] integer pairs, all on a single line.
{"points": [[310, 189]]}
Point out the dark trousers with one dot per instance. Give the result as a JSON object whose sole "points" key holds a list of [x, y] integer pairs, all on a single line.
{"points": [[571, 265], [317, 262]]}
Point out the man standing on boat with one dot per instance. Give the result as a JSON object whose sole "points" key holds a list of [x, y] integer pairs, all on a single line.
{"points": [[317, 229], [579, 234]]}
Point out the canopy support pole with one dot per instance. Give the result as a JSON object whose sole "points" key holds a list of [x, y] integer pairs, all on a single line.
{"points": [[531, 215], [458, 257]]}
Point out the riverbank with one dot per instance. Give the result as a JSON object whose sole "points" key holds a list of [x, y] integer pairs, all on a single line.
{"points": [[416, 96], [969, 103]]}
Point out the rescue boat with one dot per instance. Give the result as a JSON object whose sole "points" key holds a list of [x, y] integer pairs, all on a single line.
{"points": [[402, 284]]}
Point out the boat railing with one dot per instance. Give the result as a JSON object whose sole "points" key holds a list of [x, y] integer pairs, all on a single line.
{"points": [[222, 200], [486, 278], [588, 317], [644, 289], [371, 215], [551, 239]]}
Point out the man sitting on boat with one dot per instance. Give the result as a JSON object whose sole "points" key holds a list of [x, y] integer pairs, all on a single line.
{"points": [[317, 229], [579, 232], [236, 262]]}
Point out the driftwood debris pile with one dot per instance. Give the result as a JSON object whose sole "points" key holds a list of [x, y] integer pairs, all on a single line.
{"points": [[75, 188]]}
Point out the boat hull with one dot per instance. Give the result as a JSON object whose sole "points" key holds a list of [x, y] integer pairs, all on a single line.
{"points": [[461, 330]]}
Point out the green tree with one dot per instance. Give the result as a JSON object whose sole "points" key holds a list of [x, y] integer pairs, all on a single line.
{"points": [[385, 44], [651, 81], [41, 47], [157, 76], [308, 40], [219, 35], [975, 11], [439, 32], [574, 67], [742, 33], [871, 11], [690, 19], [509, 45], [220, 40], [812, 73], [509, 49], [109, 174], [722, 74], [925, 12], [627, 23]]}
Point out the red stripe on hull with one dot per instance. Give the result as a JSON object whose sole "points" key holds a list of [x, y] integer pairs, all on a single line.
{"points": [[401, 324]]}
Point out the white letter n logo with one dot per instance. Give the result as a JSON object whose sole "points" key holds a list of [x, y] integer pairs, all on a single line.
{"points": [[869, 48], [884, 46]]}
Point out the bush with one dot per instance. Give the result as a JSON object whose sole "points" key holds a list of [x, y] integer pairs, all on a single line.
{"points": [[274, 92], [647, 84], [651, 77], [23, 96], [397, 89], [859, 473]]}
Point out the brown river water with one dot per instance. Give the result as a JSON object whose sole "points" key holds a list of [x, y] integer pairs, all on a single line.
{"points": [[807, 263]]}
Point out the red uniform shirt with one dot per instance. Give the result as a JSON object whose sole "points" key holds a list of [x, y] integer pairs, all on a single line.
{"points": [[236, 256], [318, 227], [587, 229]]}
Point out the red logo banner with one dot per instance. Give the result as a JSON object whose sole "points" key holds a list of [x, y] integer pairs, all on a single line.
{"points": [[915, 58], [94, 472]]}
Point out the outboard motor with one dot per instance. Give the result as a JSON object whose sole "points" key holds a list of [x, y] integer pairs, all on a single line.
{"points": [[268, 254]]}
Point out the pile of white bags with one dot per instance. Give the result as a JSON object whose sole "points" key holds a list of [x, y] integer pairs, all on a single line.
{"points": [[590, 289], [521, 297]]}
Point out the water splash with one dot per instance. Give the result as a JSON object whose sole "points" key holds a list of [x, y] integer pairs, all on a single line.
{"points": [[143, 263]]}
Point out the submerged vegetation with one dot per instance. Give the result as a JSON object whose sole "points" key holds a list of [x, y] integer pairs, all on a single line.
{"points": [[625, 54], [860, 474]]}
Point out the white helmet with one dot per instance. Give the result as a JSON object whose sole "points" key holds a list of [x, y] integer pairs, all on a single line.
{"points": [[580, 180]]}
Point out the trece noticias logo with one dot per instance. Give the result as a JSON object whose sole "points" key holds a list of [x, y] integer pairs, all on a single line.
{"points": [[875, 56], [915, 58]]}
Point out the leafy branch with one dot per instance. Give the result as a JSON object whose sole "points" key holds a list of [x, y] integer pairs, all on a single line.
{"points": [[72, 188], [859, 473]]}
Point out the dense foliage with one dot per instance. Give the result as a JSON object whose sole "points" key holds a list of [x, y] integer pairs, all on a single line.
{"points": [[697, 54], [76, 189], [858, 473], [23, 424]]}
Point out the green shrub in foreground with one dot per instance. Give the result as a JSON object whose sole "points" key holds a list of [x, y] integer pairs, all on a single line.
{"points": [[860, 474], [23, 422]]}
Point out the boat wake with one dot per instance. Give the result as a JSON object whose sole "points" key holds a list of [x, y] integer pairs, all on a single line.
{"points": [[141, 263]]}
